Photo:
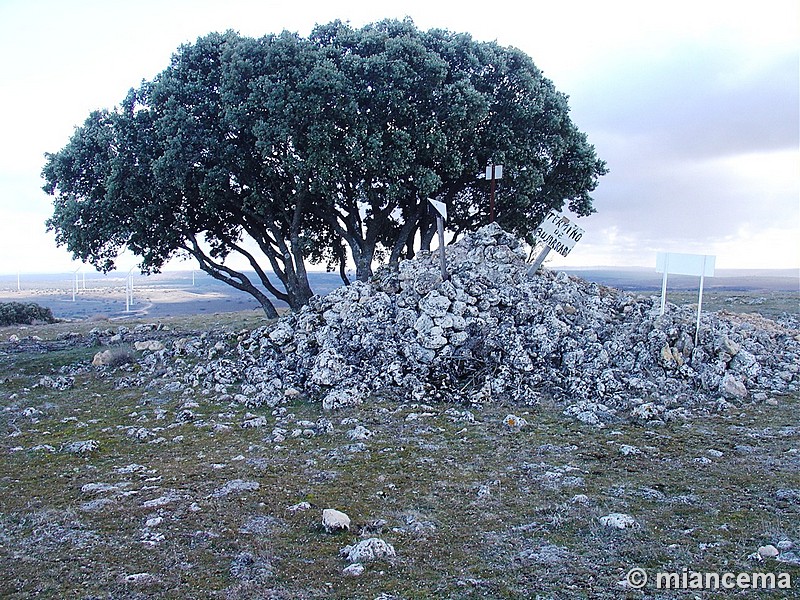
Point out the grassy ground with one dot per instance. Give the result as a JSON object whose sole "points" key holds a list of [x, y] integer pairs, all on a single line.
{"points": [[166, 505]]}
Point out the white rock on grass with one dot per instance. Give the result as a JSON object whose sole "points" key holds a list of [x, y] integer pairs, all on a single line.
{"points": [[514, 423], [768, 551], [628, 450], [299, 507], [82, 447], [140, 578], [618, 521], [354, 570], [359, 433], [151, 345], [235, 487], [154, 521], [334, 520], [98, 488], [367, 550]]}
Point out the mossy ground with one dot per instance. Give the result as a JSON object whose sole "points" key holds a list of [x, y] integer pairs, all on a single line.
{"points": [[473, 509]]}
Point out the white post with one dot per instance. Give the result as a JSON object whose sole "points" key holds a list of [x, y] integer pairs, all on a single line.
{"points": [[539, 260], [18, 288], [192, 277], [700, 303], [664, 285], [129, 291], [442, 260]]}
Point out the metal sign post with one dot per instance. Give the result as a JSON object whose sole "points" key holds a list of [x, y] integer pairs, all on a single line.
{"points": [[75, 284], [129, 291], [701, 265], [493, 172], [441, 215], [559, 234]]}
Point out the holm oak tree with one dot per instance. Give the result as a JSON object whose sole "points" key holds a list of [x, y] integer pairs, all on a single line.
{"points": [[287, 150]]}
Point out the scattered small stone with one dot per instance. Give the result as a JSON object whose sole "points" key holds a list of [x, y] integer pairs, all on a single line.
{"points": [[618, 521], [154, 521], [131, 468], [367, 550], [299, 507], [43, 448], [149, 345], [354, 570], [246, 566], [97, 504], [768, 551], [160, 501], [628, 450], [140, 579], [514, 423], [254, 421], [359, 433], [237, 486], [98, 488], [334, 520], [81, 447]]}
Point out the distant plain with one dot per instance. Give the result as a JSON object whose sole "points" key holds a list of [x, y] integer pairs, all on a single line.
{"points": [[180, 293]]}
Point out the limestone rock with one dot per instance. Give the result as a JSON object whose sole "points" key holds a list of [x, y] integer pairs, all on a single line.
{"points": [[768, 551], [354, 570], [102, 358], [514, 423], [368, 550], [151, 345], [732, 387], [618, 521], [334, 520]]}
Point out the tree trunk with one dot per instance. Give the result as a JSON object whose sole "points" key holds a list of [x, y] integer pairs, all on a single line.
{"points": [[428, 231], [233, 278], [364, 263]]}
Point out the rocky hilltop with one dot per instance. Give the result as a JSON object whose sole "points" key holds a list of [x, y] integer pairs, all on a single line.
{"points": [[492, 332]]}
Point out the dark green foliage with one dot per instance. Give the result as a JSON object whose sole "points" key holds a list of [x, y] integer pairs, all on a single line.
{"points": [[18, 313], [285, 150]]}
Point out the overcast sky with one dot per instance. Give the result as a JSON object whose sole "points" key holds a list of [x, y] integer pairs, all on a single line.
{"points": [[692, 104]]}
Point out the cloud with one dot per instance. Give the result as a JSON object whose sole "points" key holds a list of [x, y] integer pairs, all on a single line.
{"points": [[696, 102]]}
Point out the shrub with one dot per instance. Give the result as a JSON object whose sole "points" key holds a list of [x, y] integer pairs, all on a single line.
{"points": [[18, 313]]}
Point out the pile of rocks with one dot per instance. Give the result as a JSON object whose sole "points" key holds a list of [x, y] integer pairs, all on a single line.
{"points": [[493, 332]]}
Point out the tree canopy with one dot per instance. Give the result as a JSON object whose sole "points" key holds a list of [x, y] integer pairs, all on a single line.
{"points": [[288, 150]]}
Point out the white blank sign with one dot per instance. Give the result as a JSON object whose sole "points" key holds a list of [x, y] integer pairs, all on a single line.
{"points": [[700, 265], [498, 172]]}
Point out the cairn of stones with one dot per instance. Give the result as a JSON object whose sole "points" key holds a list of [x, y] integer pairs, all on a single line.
{"points": [[491, 332]]}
